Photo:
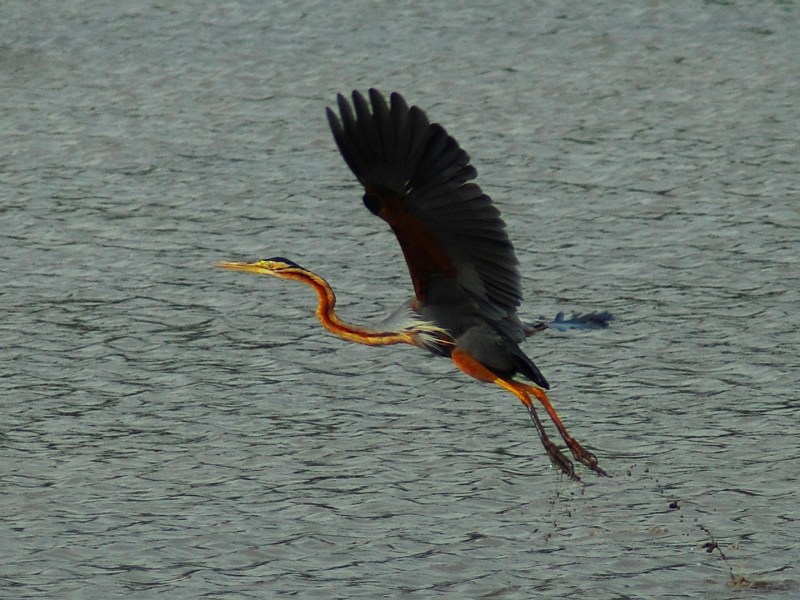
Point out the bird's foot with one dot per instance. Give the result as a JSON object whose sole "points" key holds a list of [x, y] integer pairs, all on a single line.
{"points": [[583, 456], [559, 459]]}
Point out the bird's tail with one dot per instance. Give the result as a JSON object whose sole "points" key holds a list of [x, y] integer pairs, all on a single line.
{"points": [[526, 367], [592, 320]]}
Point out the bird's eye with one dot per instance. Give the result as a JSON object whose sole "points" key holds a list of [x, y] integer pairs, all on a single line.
{"points": [[373, 203]]}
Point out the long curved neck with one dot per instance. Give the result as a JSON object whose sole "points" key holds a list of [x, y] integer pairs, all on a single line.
{"points": [[331, 321]]}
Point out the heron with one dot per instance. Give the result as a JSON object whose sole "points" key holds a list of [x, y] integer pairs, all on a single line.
{"points": [[463, 267]]}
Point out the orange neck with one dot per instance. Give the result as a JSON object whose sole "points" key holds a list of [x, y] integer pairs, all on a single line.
{"points": [[331, 321]]}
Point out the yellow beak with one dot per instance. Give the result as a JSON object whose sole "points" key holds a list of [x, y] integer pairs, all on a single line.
{"points": [[240, 266]]}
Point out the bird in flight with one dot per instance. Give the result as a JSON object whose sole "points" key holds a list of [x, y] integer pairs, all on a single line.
{"points": [[462, 264]]}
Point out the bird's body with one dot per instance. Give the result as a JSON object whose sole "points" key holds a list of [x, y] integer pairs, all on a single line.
{"points": [[462, 264]]}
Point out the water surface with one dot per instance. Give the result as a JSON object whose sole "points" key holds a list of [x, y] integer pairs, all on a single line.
{"points": [[169, 429]]}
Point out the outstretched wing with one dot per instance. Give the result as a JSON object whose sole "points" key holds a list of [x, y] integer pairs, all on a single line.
{"points": [[417, 179]]}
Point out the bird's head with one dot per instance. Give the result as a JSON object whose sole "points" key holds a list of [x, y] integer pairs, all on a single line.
{"points": [[276, 266]]}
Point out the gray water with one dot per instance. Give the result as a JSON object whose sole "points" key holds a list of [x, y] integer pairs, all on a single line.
{"points": [[168, 429]]}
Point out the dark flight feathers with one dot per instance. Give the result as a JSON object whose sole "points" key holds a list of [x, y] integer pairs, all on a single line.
{"points": [[461, 262], [398, 155]]}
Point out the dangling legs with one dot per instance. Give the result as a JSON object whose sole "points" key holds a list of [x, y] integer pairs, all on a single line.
{"points": [[557, 457], [579, 452], [474, 368]]}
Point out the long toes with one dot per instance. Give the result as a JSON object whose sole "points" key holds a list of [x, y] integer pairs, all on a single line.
{"points": [[586, 458], [560, 460], [592, 464], [596, 468]]}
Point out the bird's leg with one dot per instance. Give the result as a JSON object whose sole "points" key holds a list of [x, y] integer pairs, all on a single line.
{"points": [[474, 368], [580, 453], [557, 457], [554, 452]]}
